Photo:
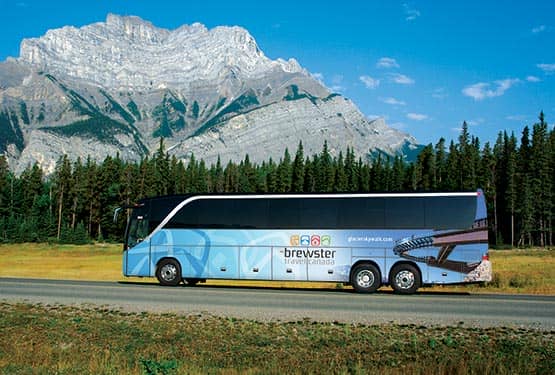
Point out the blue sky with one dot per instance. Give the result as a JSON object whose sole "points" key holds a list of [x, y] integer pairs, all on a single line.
{"points": [[423, 65]]}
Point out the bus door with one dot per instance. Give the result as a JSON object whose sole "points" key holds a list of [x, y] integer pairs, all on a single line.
{"points": [[137, 257]]}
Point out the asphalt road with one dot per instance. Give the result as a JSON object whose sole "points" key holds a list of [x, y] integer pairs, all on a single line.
{"points": [[293, 304]]}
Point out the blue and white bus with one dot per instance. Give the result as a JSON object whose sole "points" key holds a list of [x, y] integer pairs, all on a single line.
{"points": [[365, 240]]}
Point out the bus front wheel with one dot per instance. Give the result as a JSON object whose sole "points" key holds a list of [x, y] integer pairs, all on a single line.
{"points": [[405, 279], [168, 272], [365, 278]]}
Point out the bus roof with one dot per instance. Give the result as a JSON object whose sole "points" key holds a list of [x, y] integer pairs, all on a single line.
{"points": [[180, 197]]}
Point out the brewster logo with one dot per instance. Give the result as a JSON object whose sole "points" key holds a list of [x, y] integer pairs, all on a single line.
{"points": [[313, 240]]}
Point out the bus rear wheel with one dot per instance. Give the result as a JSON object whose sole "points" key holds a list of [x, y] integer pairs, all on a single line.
{"points": [[405, 279], [168, 272], [365, 278]]}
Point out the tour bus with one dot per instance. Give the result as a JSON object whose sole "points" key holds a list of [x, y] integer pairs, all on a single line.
{"points": [[405, 240]]}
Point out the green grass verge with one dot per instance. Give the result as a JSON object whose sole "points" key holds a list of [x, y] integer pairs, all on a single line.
{"points": [[43, 339]]}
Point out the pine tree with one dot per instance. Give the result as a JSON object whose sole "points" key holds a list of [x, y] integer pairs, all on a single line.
{"points": [[340, 180], [162, 170], [452, 165], [284, 172], [62, 186], [247, 176], [523, 200], [441, 168], [4, 186], [31, 188], [510, 192], [325, 174], [202, 178], [309, 184], [397, 174], [352, 171], [298, 170], [271, 177], [541, 179], [231, 178], [425, 169], [218, 177]]}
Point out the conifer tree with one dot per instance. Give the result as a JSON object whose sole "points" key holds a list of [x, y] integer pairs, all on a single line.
{"points": [[542, 179], [325, 175], [440, 161], [202, 178], [284, 172], [217, 176], [397, 174], [62, 185], [352, 171], [452, 165], [309, 184], [298, 170], [425, 169], [161, 170], [4, 171], [510, 192]]}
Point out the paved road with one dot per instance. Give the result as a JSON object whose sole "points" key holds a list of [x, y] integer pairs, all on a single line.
{"points": [[293, 304]]}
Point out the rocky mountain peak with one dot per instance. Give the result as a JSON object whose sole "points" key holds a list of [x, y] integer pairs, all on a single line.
{"points": [[134, 28], [118, 86], [128, 52]]}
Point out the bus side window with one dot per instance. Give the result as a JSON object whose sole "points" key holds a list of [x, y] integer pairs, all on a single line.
{"points": [[361, 213], [450, 212], [404, 213], [319, 213], [284, 213]]}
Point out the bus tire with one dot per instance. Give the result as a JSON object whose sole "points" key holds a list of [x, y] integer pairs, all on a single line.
{"points": [[168, 272], [405, 279], [365, 278]]}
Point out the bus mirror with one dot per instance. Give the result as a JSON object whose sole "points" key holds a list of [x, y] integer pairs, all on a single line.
{"points": [[116, 214]]}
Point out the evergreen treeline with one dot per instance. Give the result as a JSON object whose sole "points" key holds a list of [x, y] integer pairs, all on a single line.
{"points": [[76, 203]]}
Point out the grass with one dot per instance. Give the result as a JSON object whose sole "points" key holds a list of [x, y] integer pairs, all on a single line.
{"points": [[53, 261], [44, 339], [515, 271]]}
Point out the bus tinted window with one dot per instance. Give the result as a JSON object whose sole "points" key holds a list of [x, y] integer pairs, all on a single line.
{"points": [[404, 212], [214, 213], [361, 213], [319, 213], [450, 212], [284, 213], [159, 209], [250, 213], [186, 217], [221, 213]]}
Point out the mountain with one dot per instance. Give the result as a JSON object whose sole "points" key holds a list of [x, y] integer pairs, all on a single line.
{"points": [[118, 86]]}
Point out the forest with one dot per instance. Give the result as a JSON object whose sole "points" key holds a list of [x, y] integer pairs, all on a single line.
{"points": [[75, 204]]}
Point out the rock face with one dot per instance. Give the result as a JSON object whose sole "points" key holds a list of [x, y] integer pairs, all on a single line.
{"points": [[118, 86]]}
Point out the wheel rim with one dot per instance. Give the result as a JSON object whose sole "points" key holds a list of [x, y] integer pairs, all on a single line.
{"points": [[404, 279], [365, 279], [168, 272]]}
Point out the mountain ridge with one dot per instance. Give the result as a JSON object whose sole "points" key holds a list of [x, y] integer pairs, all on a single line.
{"points": [[118, 86]]}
